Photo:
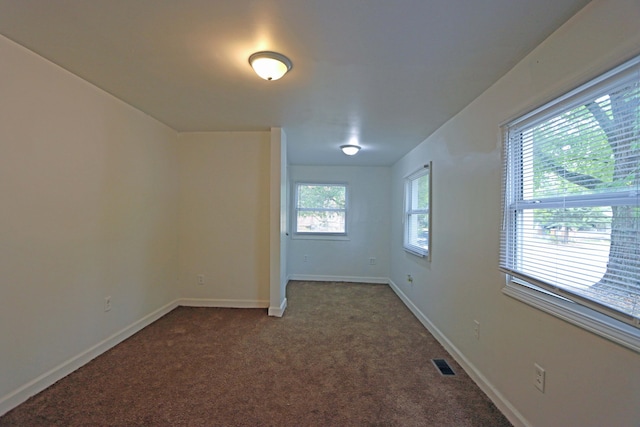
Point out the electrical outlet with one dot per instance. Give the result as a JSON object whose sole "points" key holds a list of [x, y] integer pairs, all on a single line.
{"points": [[410, 279], [107, 304], [476, 329], [372, 261], [200, 279], [306, 258], [539, 377]]}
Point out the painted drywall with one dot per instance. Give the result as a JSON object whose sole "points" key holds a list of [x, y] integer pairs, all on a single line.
{"points": [[278, 223], [88, 211], [368, 226], [590, 381], [224, 208]]}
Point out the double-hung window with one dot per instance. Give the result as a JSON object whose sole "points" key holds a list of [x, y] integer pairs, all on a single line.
{"points": [[321, 209], [417, 187], [571, 210]]}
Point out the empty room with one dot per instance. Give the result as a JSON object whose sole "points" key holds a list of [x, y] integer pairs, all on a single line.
{"points": [[305, 213]]}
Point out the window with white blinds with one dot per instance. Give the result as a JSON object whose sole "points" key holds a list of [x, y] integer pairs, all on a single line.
{"points": [[571, 202], [417, 219]]}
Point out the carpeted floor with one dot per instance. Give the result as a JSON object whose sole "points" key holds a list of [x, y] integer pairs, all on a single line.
{"points": [[343, 355]]}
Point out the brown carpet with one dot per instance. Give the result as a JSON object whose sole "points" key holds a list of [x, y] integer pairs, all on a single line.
{"points": [[343, 355]]}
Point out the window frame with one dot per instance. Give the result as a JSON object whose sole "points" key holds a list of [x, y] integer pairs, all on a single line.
{"points": [[320, 234], [608, 323], [408, 210]]}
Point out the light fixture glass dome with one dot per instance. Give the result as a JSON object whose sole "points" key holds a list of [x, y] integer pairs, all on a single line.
{"points": [[270, 65], [350, 149]]}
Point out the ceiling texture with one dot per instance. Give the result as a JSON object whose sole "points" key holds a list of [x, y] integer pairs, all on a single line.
{"points": [[381, 72]]}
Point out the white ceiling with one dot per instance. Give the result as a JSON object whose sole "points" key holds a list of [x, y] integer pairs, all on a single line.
{"points": [[386, 72]]}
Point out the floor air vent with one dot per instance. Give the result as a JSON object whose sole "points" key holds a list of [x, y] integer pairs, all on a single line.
{"points": [[443, 366]]}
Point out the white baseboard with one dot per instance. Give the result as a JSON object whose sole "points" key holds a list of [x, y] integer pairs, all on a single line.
{"points": [[509, 411], [278, 311], [355, 279], [47, 379], [223, 303]]}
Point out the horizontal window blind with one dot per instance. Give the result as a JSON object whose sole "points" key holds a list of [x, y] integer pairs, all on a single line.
{"points": [[571, 206]]}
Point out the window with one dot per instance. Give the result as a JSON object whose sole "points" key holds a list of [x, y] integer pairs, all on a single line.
{"points": [[571, 206], [321, 209], [417, 218]]}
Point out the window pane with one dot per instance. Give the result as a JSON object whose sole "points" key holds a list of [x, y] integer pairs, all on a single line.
{"points": [[320, 222], [322, 196], [420, 193], [572, 154], [566, 247], [571, 249], [418, 230]]}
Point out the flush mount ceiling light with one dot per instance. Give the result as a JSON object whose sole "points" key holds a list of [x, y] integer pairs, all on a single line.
{"points": [[350, 149], [270, 65]]}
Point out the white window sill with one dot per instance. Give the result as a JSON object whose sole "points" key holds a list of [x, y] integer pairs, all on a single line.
{"points": [[597, 323], [417, 251], [319, 237]]}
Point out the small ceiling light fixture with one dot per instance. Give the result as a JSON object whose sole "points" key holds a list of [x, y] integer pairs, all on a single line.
{"points": [[350, 149], [270, 65]]}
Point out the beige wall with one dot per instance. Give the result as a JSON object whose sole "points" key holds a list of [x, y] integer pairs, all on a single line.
{"points": [[101, 200], [88, 210], [590, 380], [224, 217]]}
